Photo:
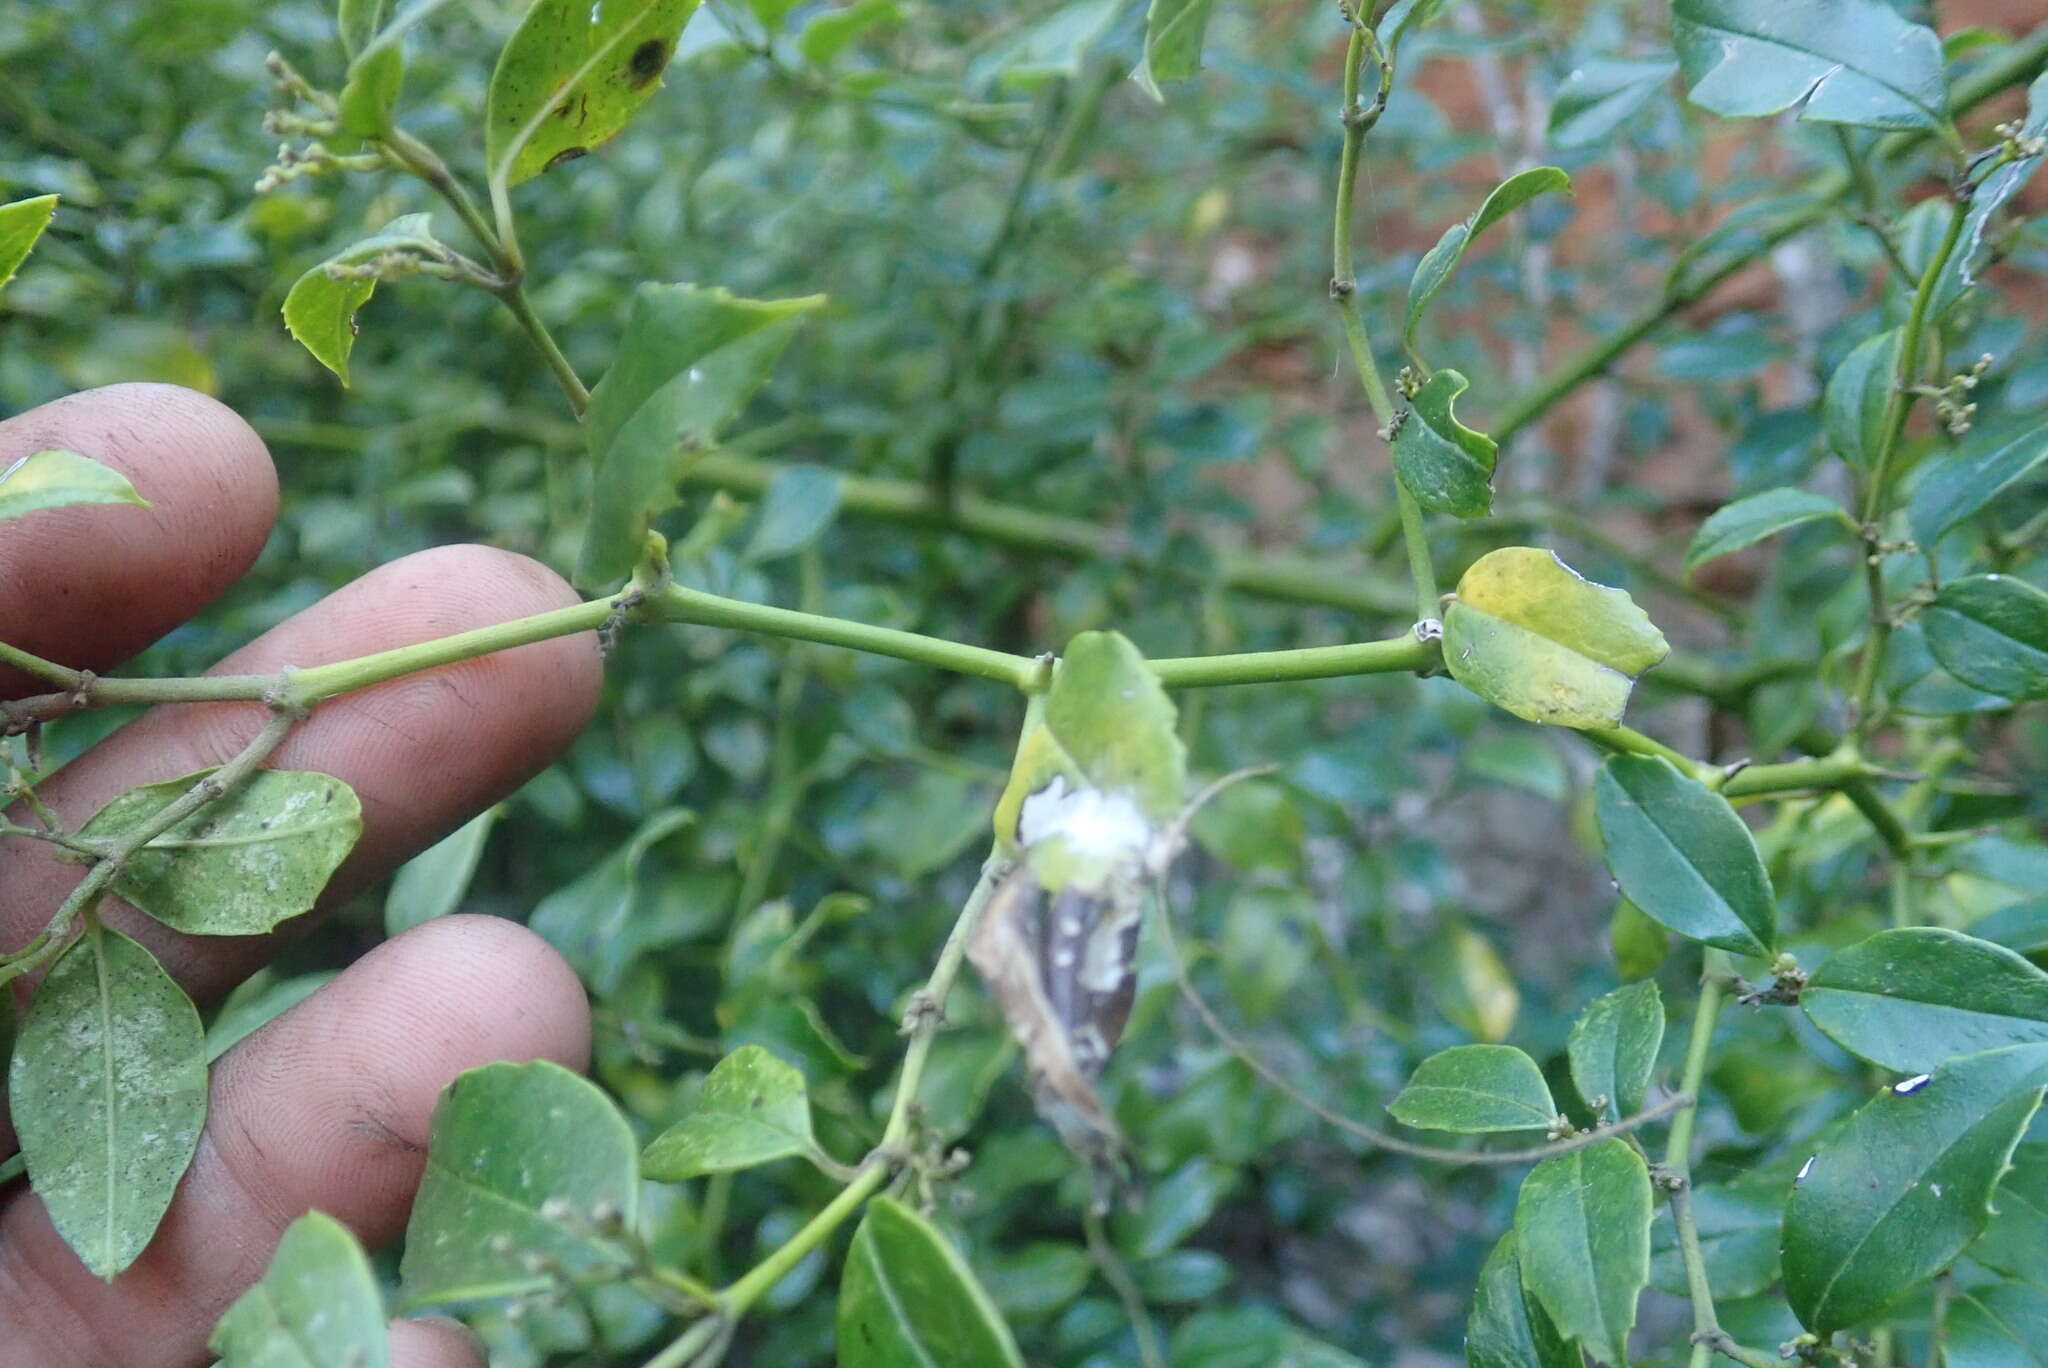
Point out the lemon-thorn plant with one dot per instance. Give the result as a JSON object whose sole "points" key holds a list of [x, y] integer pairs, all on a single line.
{"points": [[1891, 1211]]}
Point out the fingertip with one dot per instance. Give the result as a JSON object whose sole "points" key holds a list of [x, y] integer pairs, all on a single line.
{"points": [[435, 1342], [90, 585], [488, 964]]}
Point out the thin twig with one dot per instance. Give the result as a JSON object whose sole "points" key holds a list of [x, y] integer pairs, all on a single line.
{"points": [[1353, 1127], [117, 852], [1119, 1279]]}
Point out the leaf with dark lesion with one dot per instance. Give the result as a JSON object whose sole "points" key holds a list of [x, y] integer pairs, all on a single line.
{"points": [[1061, 967]]}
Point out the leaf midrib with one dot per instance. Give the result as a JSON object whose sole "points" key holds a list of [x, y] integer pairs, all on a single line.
{"points": [[1919, 1175], [886, 1288], [1543, 1118], [1835, 64]]}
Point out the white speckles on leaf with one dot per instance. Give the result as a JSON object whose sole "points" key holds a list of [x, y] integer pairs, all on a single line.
{"points": [[250, 860], [108, 1090]]}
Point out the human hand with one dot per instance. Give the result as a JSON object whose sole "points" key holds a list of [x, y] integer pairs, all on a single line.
{"points": [[326, 1107]]}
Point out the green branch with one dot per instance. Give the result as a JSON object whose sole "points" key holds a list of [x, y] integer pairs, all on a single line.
{"points": [[509, 282], [115, 854], [674, 603], [1675, 1174], [2016, 63], [1351, 587], [1357, 119], [1395, 655], [1877, 492], [1351, 1126], [927, 1012]]}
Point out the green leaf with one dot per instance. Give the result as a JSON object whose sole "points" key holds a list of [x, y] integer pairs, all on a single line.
{"points": [[1440, 262], [1476, 1089], [1506, 1329], [1738, 1228], [797, 508], [1955, 484], [1401, 17], [108, 1094], [1104, 724], [21, 223], [572, 75], [1173, 43], [1447, 466], [1920, 686], [1748, 521], [752, 1109], [525, 1163], [1527, 633], [320, 311], [1582, 1225], [2004, 1325], [689, 358], [829, 32], [1613, 1048], [1639, 941], [2018, 1232], [908, 1300], [1988, 197], [1905, 1185], [1857, 396], [1601, 95], [1991, 632], [60, 479], [431, 884], [1840, 61], [2021, 926], [1041, 1278], [317, 1306], [376, 70], [1681, 854], [1473, 988], [369, 97], [599, 921], [1176, 1207], [1909, 998], [247, 861], [356, 22]]}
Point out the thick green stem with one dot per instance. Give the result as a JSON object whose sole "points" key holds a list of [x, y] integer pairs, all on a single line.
{"points": [[1708, 1337], [1395, 655], [928, 1008], [1629, 741], [1877, 491], [677, 604], [1821, 772], [1898, 841], [922, 1022], [752, 1285], [1357, 118], [1698, 1050], [309, 686], [521, 308]]}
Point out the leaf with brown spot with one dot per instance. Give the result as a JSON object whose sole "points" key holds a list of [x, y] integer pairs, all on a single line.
{"points": [[573, 75]]}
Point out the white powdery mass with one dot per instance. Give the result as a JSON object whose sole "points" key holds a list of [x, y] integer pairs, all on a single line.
{"points": [[1093, 823]]}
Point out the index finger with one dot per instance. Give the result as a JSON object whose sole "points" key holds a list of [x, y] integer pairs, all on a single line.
{"points": [[89, 586]]}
